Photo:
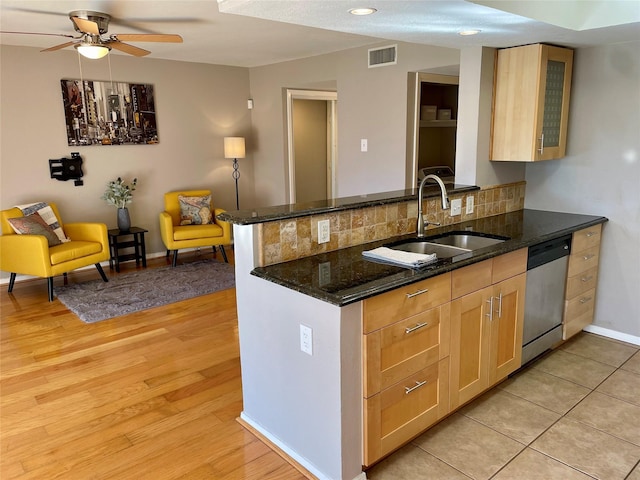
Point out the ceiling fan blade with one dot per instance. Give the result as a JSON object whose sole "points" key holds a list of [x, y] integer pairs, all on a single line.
{"points": [[86, 26], [38, 33], [149, 37], [130, 49], [58, 47]]}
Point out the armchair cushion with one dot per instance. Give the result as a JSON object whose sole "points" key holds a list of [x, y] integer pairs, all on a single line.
{"points": [[189, 232], [34, 225], [73, 250], [195, 210]]}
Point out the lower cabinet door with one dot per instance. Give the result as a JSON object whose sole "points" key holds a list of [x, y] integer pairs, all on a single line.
{"points": [[470, 344], [507, 323], [402, 411]]}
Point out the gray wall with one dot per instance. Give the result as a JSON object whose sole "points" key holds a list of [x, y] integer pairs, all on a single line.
{"points": [[601, 174], [371, 104], [197, 105]]}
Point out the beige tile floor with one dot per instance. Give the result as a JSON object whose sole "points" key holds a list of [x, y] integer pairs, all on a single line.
{"points": [[573, 414]]}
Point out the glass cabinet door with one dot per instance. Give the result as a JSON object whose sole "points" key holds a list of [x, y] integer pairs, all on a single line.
{"points": [[552, 131]]}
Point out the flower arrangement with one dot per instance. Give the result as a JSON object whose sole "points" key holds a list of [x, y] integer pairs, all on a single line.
{"points": [[118, 193]]}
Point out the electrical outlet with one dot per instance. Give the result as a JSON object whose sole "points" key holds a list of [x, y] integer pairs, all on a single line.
{"points": [[324, 233], [306, 339], [456, 207], [364, 145], [470, 204]]}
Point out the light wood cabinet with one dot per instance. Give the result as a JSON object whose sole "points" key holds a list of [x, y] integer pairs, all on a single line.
{"points": [[582, 277], [424, 354], [486, 326], [531, 103], [405, 363]]}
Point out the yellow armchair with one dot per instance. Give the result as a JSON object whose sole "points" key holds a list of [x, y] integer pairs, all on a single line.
{"points": [[31, 255], [176, 236]]}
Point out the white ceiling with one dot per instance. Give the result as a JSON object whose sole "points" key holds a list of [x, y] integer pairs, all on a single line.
{"points": [[251, 33]]}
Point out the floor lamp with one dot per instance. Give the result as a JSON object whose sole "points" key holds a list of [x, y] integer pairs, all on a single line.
{"points": [[234, 148]]}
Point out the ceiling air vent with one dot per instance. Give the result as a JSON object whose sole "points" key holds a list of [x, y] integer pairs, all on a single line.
{"points": [[380, 57]]}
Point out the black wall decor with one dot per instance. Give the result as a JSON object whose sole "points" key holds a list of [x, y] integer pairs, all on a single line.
{"points": [[64, 169]]}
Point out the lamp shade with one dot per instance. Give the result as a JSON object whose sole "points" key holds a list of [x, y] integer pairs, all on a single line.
{"points": [[92, 51], [233, 147]]}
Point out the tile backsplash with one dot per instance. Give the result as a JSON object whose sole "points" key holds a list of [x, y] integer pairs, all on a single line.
{"points": [[286, 240]]}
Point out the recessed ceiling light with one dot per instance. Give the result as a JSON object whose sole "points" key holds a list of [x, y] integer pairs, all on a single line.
{"points": [[362, 11], [469, 32]]}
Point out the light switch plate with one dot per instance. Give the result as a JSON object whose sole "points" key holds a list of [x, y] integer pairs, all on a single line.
{"points": [[456, 207]]}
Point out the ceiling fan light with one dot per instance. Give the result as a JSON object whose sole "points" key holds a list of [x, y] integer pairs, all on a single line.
{"points": [[362, 11], [92, 51]]}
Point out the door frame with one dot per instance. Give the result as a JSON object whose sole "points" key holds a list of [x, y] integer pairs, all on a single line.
{"points": [[331, 97]]}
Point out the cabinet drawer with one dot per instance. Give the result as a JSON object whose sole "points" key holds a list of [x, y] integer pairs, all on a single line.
{"points": [[587, 238], [582, 282], [404, 410], [402, 349], [403, 302], [509, 265], [575, 325], [470, 279], [582, 261], [579, 305]]}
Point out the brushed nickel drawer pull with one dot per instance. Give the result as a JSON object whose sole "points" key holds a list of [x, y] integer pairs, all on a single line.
{"points": [[416, 327], [490, 314], [590, 234], [415, 294], [585, 299], [541, 149], [588, 257], [586, 279], [408, 390]]}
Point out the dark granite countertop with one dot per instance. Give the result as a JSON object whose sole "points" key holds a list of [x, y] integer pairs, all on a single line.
{"points": [[284, 212], [345, 276]]}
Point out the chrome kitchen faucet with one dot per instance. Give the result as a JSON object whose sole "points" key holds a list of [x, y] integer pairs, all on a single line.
{"points": [[445, 202]]}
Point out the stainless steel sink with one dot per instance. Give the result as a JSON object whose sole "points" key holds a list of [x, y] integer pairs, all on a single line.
{"points": [[417, 245], [468, 240], [448, 245]]}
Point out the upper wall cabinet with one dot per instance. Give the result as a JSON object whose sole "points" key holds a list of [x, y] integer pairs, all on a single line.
{"points": [[531, 103]]}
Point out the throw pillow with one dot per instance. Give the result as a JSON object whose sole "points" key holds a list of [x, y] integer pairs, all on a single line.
{"points": [[195, 210], [47, 214], [34, 225]]}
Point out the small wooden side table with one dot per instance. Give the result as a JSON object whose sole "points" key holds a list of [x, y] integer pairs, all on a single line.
{"points": [[116, 244]]}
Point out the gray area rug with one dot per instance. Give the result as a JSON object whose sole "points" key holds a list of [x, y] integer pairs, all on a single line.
{"points": [[96, 300]]}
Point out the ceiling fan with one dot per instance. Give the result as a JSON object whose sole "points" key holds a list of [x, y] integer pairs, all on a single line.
{"points": [[90, 43]]}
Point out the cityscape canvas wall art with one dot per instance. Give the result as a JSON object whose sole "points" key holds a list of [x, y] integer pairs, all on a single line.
{"points": [[109, 113]]}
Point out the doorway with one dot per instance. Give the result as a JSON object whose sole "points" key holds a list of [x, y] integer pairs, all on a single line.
{"points": [[311, 144], [432, 126]]}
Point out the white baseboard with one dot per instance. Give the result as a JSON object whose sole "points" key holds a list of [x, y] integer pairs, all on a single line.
{"points": [[606, 332]]}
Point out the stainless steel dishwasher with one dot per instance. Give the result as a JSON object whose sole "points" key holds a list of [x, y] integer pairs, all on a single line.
{"points": [[544, 297]]}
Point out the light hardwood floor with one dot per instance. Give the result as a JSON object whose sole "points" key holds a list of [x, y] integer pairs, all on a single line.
{"points": [[150, 395]]}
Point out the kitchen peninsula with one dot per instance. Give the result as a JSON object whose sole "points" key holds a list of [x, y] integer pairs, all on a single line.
{"points": [[311, 405]]}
